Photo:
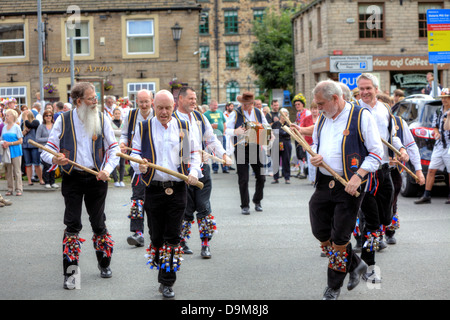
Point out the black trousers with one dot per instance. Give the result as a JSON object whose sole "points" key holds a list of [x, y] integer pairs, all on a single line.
{"points": [[164, 218], [75, 188], [251, 156], [332, 213], [285, 157], [137, 193], [198, 199], [396, 177], [377, 208]]}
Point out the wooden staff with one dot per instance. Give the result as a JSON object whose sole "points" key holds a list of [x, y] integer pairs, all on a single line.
{"points": [[199, 184], [73, 163], [299, 135], [211, 156], [306, 146], [390, 146]]}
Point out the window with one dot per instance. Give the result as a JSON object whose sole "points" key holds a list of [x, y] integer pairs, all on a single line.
{"points": [[232, 91], [423, 7], [134, 87], [204, 23], [232, 56], [258, 14], [319, 27], [371, 21], [19, 93], [140, 37], [204, 57], [81, 36], [206, 93], [231, 22], [12, 40]]}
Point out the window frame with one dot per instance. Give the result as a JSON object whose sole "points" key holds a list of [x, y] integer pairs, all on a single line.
{"points": [[204, 54], [231, 49], [231, 22], [24, 86], [143, 35], [65, 45], [26, 55], [364, 22], [156, 46], [234, 88], [422, 26]]}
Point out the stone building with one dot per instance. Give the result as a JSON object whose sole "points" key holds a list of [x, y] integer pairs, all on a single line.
{"points": [[124, 43], [225, 40], [392, 33]]}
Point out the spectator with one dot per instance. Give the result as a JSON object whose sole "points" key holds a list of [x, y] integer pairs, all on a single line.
{"points": [[429, 89], [299, 103], [399, 95], [116, 124], [307, 122], [42, 134], [285, 150], [59, 109], [30, 152], [218, 123], [12, 138], [36, 109]]}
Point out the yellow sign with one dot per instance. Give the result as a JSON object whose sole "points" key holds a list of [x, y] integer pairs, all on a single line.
{"points": [[88, 69]]}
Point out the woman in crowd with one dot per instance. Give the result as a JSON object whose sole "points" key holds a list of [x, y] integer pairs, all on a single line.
{"points": [[117, 127], [12, 138], [310, 120], [30, 152], [42, 134]]}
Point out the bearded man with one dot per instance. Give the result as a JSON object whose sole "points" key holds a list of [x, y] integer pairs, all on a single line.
{"points": [[82, 135]]}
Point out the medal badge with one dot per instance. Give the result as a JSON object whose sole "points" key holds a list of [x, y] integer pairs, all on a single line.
{"points": [[168, 191]]}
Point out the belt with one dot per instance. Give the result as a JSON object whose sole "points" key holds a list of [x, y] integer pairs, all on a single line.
{"points": [[82, 173], [166, 184]]}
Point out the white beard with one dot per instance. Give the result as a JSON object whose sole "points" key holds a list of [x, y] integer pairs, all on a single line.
{"points": [[90, 119]]}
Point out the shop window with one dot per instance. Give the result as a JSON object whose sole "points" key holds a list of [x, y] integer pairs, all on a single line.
{"points": [[371, 21], [423, 7], [232, 91], [134, 87], [19, 93], [232, 56], [231, 22]]}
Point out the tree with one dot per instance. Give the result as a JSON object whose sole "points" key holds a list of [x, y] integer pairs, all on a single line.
{"points": [[271, 57]]}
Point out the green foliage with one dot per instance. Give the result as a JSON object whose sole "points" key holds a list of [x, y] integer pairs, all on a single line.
{"points": [[271, 57]]}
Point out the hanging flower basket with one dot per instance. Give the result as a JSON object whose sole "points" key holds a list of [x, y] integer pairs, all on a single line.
{"points": [[50, 88], [175, 84], [108, 85]]}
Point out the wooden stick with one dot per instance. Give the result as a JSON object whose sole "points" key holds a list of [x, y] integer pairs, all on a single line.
{"points": [[306, 146], [390, 146], [73, 163], [300, 136], [211, 156], [199, 184]]}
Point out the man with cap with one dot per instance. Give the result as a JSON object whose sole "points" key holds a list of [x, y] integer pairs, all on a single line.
{"points": [[440, 158], [247, 153]]}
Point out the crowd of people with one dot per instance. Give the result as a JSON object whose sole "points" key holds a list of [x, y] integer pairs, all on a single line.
{"points": [[358, 147]]}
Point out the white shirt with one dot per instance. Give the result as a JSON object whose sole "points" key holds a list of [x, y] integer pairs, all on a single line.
{"points": [[109, 112], [84, 144], [212, 143], [411, 147], [167, 150], [139, 118], [331, 142], [382, 117], [249, 116]]}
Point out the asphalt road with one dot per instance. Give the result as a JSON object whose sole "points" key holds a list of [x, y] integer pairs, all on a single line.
{"points": [[266, 256]]}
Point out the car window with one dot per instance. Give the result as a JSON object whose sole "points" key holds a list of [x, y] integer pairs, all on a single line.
{"points": [[403, 110], [428, 113]]}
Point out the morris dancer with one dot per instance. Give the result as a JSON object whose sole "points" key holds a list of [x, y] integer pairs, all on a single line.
{"points": [[82, 135], [199, 199], [333, 208], [165, 141]]}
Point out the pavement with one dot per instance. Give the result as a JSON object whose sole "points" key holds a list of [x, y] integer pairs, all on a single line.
{"points": [[263, 257]]}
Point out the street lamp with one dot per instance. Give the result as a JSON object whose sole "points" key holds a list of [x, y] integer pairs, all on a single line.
{"points": [[249, 81], [176, 34]]}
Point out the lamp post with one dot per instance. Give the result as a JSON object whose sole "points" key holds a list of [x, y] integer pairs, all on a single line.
{"points": [[249, 81], [176, 34]]}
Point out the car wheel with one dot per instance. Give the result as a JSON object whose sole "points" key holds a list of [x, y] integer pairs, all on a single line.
{"points": [[409, 188]]}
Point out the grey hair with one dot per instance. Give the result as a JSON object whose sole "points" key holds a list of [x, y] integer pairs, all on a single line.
{"points": [[346, 91], [327, 88], [369, 76]]}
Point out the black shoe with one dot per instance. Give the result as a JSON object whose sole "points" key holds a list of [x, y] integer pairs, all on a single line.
{"points": [[69, 282], [382, 245], [206, 252], [105, 272], [302, 176], [355, 275], [258, 207], [331, 294], [166, 291], [231, 168], [423, 200], [216, 172], [245, 210], [185, 248], [274, 182], [391, 240], [136, 240], [225, 171]]}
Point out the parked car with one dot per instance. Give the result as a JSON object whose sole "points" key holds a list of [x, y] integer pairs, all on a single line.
{"points": [[418, 111]]}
